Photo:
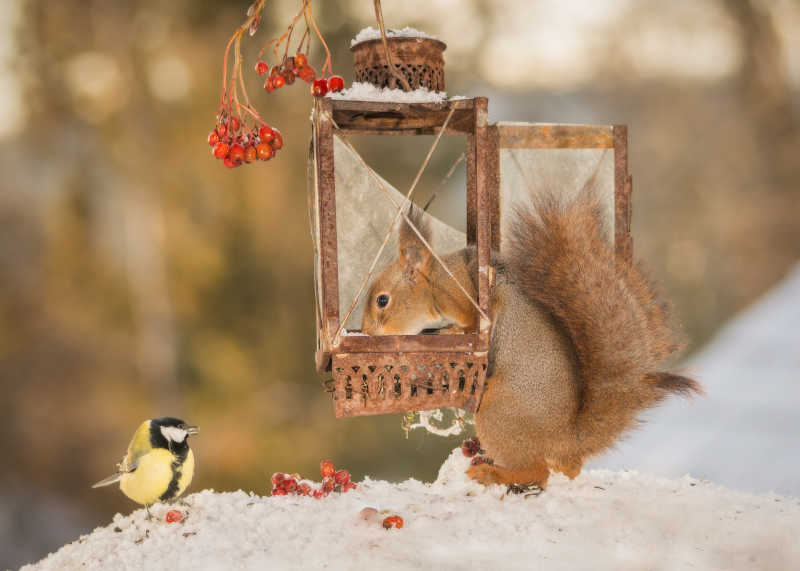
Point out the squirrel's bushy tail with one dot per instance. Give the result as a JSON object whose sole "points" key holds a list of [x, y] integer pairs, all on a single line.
{"points": [[560, 257]]}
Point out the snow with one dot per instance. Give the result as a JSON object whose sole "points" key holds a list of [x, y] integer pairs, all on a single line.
{"points": [[744, 433], [601, 520], [370, 33], [361, 91]]}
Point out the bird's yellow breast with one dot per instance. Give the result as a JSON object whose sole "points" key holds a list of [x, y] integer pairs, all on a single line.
{"points": [[153, 474]]}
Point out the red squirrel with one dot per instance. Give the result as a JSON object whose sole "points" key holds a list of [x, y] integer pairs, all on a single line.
{"points": [[578, 341]]}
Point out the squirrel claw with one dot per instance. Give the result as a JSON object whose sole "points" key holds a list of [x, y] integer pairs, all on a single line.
{"points": [[527, 490]]}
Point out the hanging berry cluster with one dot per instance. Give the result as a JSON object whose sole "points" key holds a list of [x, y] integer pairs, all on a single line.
{"points": [[236, 145], [293, 67], [333, 480], [240, 135]]}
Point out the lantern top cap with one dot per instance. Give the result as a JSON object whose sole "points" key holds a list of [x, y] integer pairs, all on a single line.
{"points": [[370, 34]]}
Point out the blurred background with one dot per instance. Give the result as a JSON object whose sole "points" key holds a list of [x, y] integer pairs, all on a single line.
{"points": [[140, 278]]}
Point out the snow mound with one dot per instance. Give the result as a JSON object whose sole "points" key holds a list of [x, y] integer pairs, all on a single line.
{"points": [[370, 33], [601, 520], [360, 91]]}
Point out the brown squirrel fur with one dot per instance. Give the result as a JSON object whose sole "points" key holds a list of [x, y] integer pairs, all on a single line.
{"points": [[577, 344]]}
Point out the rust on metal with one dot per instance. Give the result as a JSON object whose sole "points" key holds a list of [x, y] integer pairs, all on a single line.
{"points": [[381, 383], [622, 194], [483, 205], [419, 60], [411, 343], [389, 118], [329, 263], [546, 136], [492, 161]]}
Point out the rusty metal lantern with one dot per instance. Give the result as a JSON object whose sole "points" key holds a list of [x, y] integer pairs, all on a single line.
{"points": [[402, 373], [397, 373], [419, 60]]}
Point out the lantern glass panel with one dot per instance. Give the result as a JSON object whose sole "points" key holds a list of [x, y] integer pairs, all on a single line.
{"points": [[364, 214]]}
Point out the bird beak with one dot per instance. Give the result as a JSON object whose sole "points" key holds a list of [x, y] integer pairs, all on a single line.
{"points": [[192, 430]]}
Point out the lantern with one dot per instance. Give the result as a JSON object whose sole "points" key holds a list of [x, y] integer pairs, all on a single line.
{"points": [[505, 164]]}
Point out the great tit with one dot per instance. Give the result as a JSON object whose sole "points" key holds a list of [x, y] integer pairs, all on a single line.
{"points": [[159, 464]]}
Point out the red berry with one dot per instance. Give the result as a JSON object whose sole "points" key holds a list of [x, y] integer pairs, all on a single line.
{"points": [[268, 85], [277, 478], [229, 162], [290, 485], [174, 516], [277, 143], [471, 447], [222, 130], [318, 494], [288, 76], [335, 83], [221, 150], [326, 468], [349, 486], [319, 88], [327, 485], [275, 71], [213, 138], [262, 67], [250, 154], [237, 154], [279, 492], [300, 60], [341, 477], [304, 489], [393, 521], [278, 81], [306, 73], [235, 124], [478, 460], [266, 134], [264, 152]]}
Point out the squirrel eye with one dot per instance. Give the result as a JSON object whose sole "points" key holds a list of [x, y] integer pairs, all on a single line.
{"points": [[382, 300]]}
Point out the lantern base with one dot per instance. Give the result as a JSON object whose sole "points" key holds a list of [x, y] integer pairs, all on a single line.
{"points": [[381, 383]]}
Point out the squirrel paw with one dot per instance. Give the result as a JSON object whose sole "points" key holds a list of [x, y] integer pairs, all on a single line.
{"points": [[484, 473], [535, 477]]}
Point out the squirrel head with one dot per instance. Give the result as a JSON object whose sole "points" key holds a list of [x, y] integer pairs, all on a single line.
{"points": [[402, 298]]}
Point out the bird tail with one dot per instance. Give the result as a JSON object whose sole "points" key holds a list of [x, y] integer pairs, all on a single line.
{"points": [[108, 481]]}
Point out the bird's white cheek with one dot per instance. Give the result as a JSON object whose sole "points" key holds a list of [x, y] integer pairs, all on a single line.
{"points": [[173, 433]]}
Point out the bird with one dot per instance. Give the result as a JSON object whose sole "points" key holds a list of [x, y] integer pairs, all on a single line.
{"points": [[159, 464]]}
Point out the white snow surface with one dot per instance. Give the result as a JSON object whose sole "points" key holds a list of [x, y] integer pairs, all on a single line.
{"points": [[370, 33], [601, 520], [362, 91]]}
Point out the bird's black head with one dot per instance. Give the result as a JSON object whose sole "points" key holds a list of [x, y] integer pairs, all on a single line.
{"points": [[170, 433]]}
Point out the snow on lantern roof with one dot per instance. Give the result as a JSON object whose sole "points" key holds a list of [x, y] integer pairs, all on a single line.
{"points": [[359, 91], [370, 33]]}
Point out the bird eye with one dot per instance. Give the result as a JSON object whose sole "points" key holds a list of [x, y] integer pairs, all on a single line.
{"points": [[382, 300]]}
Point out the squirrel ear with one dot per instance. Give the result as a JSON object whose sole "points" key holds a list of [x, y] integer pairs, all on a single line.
{"points": [[412, 251]]}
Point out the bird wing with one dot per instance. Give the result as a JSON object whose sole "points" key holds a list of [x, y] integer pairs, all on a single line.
{"points": [[139, 446]]}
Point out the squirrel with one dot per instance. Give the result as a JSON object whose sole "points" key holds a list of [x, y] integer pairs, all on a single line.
{"points": [[578, 342]]}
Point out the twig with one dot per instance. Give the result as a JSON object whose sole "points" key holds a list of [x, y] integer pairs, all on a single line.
{"points": [[392, 69]]}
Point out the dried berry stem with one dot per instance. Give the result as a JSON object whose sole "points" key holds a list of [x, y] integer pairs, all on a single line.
{"points": [[327, 64]]}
